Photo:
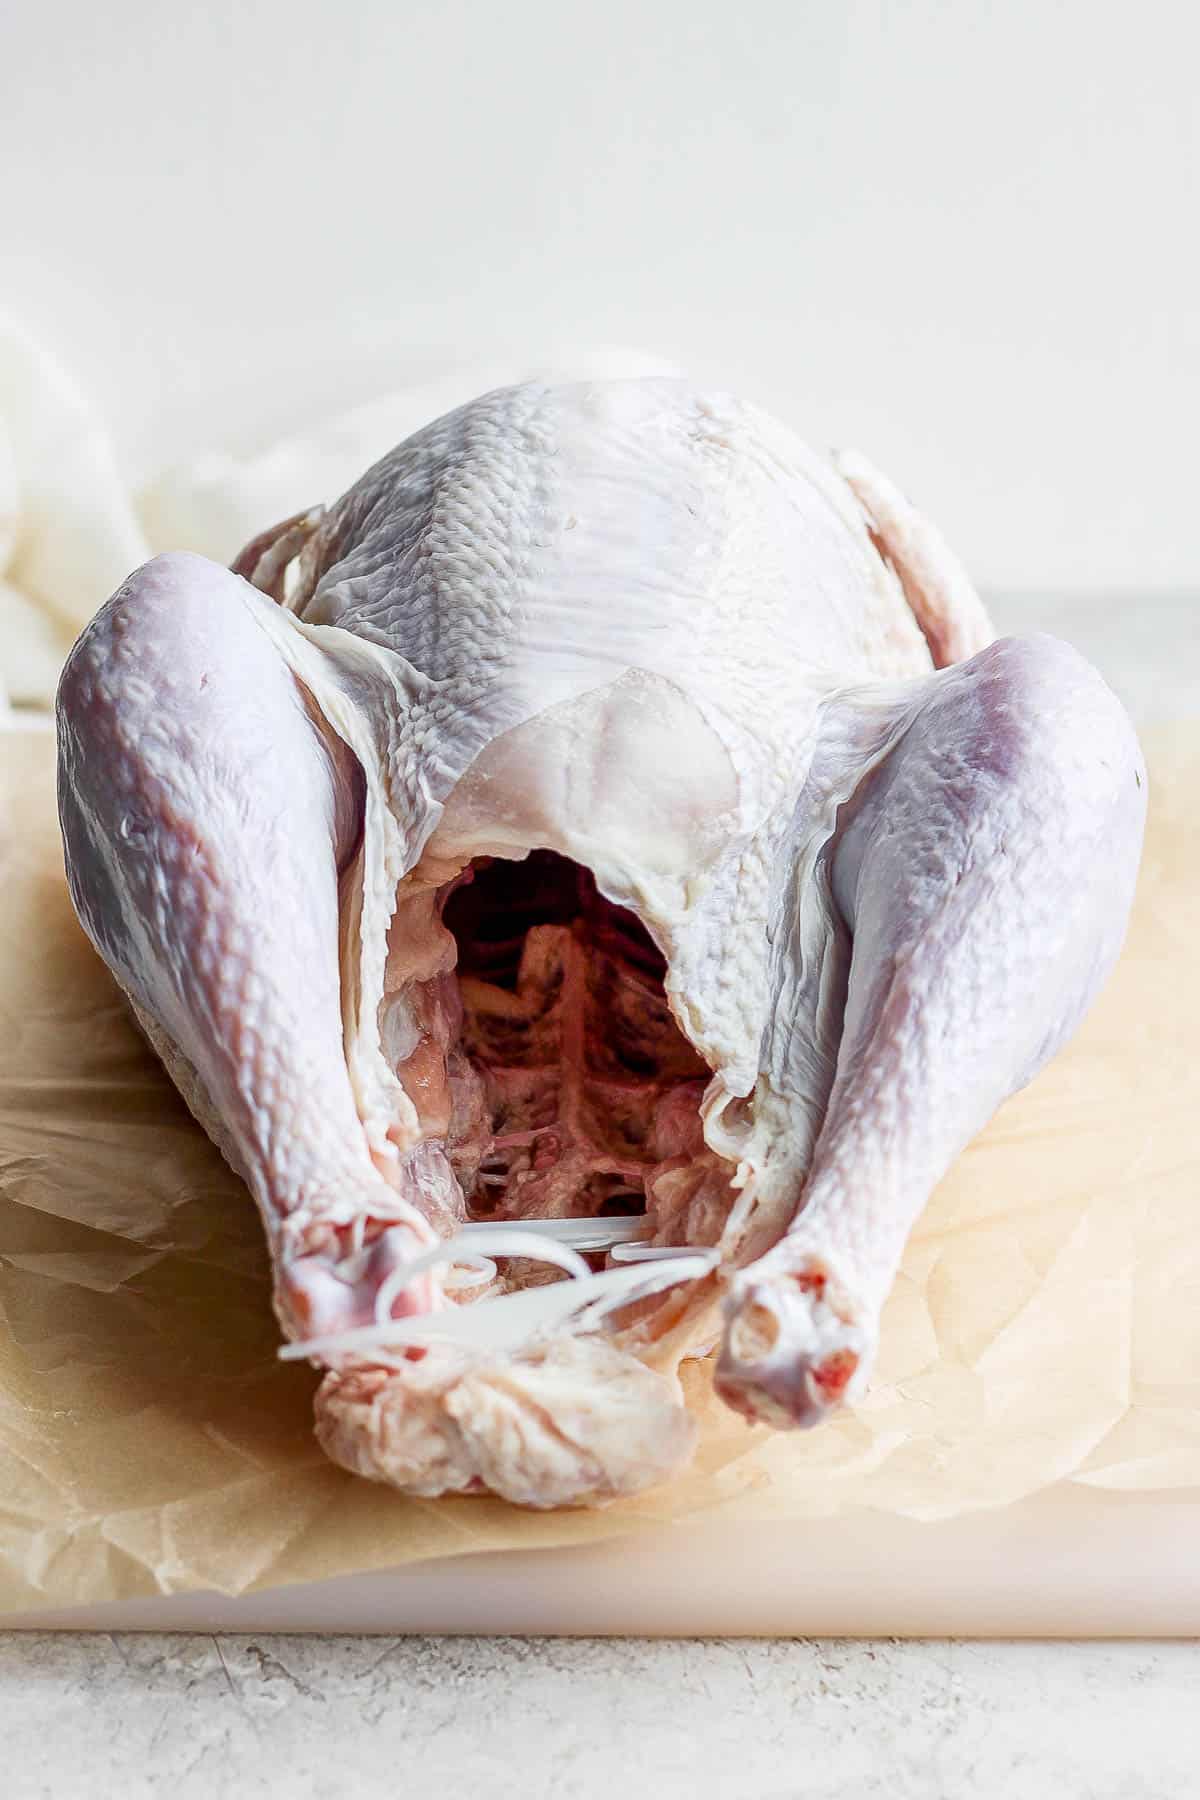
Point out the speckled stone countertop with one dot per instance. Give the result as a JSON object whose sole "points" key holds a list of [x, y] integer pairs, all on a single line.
{"points": [[199, 1718]]}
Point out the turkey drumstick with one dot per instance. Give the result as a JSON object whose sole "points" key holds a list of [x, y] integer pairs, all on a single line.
{"points": [[204, 813], [985, 872]]}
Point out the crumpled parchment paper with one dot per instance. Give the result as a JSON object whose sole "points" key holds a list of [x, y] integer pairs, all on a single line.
{"points": [[1045, 1328]]}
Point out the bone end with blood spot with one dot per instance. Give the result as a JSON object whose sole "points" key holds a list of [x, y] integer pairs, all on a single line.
{"points": [[794, 1348]]}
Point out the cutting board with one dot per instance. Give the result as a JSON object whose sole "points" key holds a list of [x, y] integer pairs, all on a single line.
{"points": [[1072, 1562]]}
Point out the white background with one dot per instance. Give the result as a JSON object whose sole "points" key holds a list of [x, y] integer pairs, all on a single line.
{"points": [[962, 236]]}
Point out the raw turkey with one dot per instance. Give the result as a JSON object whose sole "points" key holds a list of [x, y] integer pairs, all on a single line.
{"points": [[591, 881]]}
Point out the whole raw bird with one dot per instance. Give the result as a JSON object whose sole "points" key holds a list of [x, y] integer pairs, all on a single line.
{"points": [[609, 810]]}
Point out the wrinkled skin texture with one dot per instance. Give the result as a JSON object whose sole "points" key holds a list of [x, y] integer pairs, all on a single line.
{"points": [[821, 874]]}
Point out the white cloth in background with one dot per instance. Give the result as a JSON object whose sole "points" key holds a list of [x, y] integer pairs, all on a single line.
{"points": [[68, 530]]}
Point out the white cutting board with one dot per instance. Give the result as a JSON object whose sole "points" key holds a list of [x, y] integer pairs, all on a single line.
{"points": [[1071, 1562]]}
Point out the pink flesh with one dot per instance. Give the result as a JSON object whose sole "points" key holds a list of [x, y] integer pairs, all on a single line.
{"points": [[566, 1020]]}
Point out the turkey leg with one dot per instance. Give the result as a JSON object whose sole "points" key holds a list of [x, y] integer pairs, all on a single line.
{"points": [[205, 815], [985, 872]]}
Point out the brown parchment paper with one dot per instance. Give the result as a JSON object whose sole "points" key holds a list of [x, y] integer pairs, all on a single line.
{"points": [[1045, 1328]]}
